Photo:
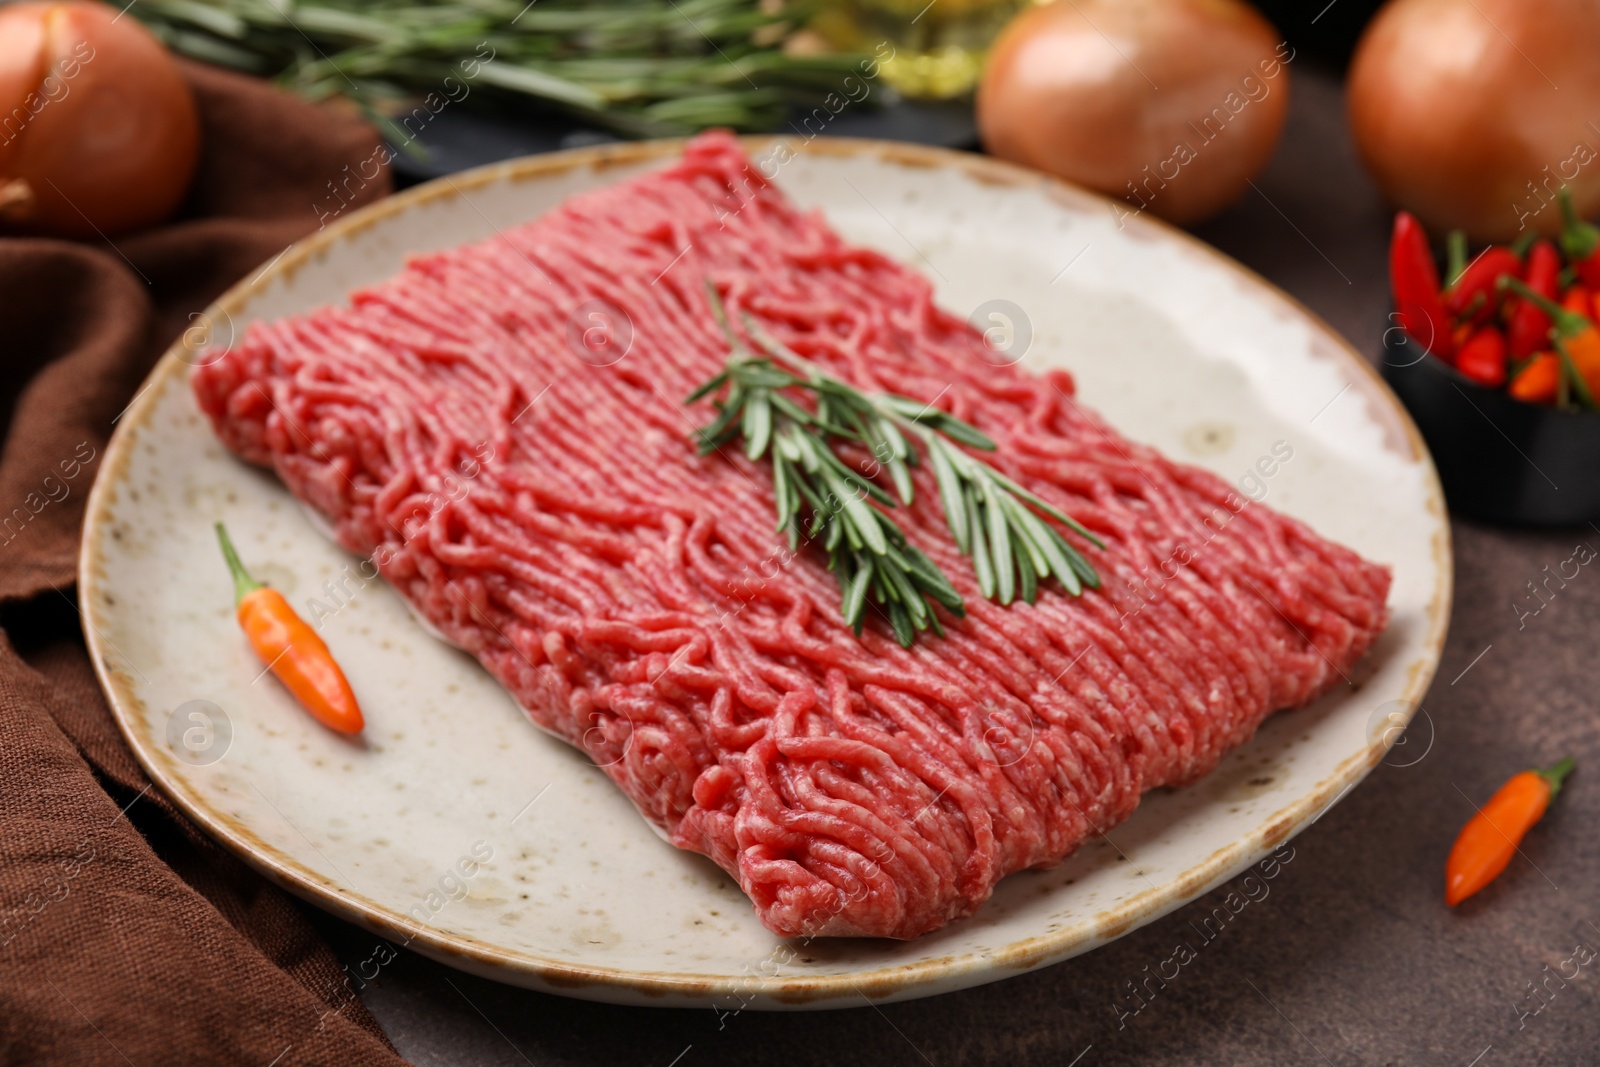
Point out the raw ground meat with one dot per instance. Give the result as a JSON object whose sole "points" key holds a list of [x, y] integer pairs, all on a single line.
{"points": [[540, 503]]}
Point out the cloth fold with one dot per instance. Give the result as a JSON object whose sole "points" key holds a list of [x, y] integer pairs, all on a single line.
{"points": [[127, 935]]}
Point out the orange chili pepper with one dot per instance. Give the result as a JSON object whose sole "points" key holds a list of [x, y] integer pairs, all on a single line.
{"points": [[291, 649], [1574, 337], [1539, 381], [1489, 840]]}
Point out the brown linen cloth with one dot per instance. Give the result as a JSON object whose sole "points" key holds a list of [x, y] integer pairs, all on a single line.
{"points": [[127, 936]]}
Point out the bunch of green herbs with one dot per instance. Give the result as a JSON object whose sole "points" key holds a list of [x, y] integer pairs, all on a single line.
{"points": [[637, 67]]}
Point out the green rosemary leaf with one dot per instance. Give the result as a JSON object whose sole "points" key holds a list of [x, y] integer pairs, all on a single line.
{"points": [[1032, 534], [880, 589], [813, 499], [862, 518], [708, 387], [848, 415], [926, 415], [912, 598], [903, 592], [793, 508], [854, 601], [719, 431], [1080, 566], [1060, 516], [931, 580], [900, 474], [905, 407], [950, 495], [891, 436], [786, 443], [1028, 578], [901, 621], [790, 410], [540, 83], [1050, 554], [719, 311], [757, 428], [957, 430], [780, 489], [981, 563], [853, 478], [890, 451], [851, 533], [1005, 573], [917, 565], [759, 372]]}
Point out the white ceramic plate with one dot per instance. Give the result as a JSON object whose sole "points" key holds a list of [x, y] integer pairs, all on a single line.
{"points": [[459, 829]]}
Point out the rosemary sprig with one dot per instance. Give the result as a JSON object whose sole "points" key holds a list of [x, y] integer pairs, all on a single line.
{"points": [[639, 67], [869, 553], [993, 520]]}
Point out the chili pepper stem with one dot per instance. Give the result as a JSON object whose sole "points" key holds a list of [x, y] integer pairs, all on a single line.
{"points": [[1569, 210], [1579, 238], [1455, 257], [1566, 322], [1570, 375], [1556, 774], [243, 584]]}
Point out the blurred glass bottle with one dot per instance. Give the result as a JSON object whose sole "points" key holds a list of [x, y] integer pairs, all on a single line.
{"points": [[939, 46]]}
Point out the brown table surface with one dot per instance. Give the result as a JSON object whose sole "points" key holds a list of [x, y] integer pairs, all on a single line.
{"points": [[1352, 957]]}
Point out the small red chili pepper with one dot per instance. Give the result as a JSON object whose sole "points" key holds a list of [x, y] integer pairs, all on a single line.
{"points": [[1483, 357], [1579, 240], [1415, 283], [1489, 840], [1474, 293], [1529, 330], [291, 649]]}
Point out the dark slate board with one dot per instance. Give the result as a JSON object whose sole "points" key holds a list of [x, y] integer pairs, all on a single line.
{"points": [[456, 139]]}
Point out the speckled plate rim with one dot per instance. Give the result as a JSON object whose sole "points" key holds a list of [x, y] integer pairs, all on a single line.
{"points": [[922, 978]]}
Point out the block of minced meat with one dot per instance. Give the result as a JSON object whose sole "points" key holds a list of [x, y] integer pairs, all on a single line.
{"points": [[537, 496]]}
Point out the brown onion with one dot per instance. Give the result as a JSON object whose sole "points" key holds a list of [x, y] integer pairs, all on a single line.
{"points": [[1172, 105], [98, 129], [1471, 113]]}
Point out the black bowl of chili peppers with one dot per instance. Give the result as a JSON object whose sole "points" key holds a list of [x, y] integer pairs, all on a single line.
{"points": [[1499, 365]]}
